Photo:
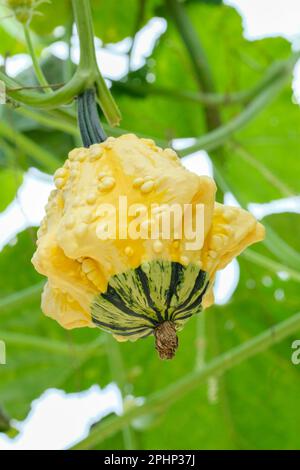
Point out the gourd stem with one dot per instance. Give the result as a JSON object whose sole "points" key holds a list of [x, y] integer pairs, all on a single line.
{"points": [[166, 340], [88, 120]]}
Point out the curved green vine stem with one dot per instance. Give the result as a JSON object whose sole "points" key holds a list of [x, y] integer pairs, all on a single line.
{"points": [[88, 61], [276, 245], [86, 75], [53, 346], [162, 400], [217, 99], [36, 87], [68, 65], [59, 97], [186, 95], [217, 137], [42, 344], [270, 264], [36, 66]]}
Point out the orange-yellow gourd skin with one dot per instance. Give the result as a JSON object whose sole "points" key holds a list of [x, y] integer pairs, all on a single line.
{"points": [[79, 265]]}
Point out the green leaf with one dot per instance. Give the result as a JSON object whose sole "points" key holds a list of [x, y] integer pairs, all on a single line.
{"points": [[4, 422], [52, 14], [171, 67], [272, 141], [287, 226], [237, 64], [113, 21], [11, 35], [10, 180]]}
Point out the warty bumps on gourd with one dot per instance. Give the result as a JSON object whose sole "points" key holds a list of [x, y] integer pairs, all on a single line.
{"points": [[132, 288]]}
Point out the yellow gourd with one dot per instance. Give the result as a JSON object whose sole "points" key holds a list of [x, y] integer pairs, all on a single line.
{"points": [[132, 288]]}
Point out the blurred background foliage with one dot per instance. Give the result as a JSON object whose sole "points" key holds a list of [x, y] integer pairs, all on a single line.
{"points": [[255, 405]]}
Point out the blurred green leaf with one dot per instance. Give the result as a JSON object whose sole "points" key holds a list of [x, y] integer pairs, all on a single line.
{"points": [[10, 180], [4, 422], [52, 14], [113, 21], [32, 367], [287, 226], [272, 139], [11, 35], [237, 64]]}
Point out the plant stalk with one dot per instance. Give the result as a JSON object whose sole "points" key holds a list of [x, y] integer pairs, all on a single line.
{"points": [[36, 66], [270, 264], [86, 75], [217, 137], [88, 60]]}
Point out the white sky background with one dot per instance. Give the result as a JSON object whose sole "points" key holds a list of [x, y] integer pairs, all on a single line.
{"points": [[57, 420], [263, 18]]}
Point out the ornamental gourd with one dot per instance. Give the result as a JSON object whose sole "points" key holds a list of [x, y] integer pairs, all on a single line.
{"points": [[132, 288]]}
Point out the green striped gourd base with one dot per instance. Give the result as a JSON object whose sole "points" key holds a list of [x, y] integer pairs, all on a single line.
{"points": [[137, 301]]}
